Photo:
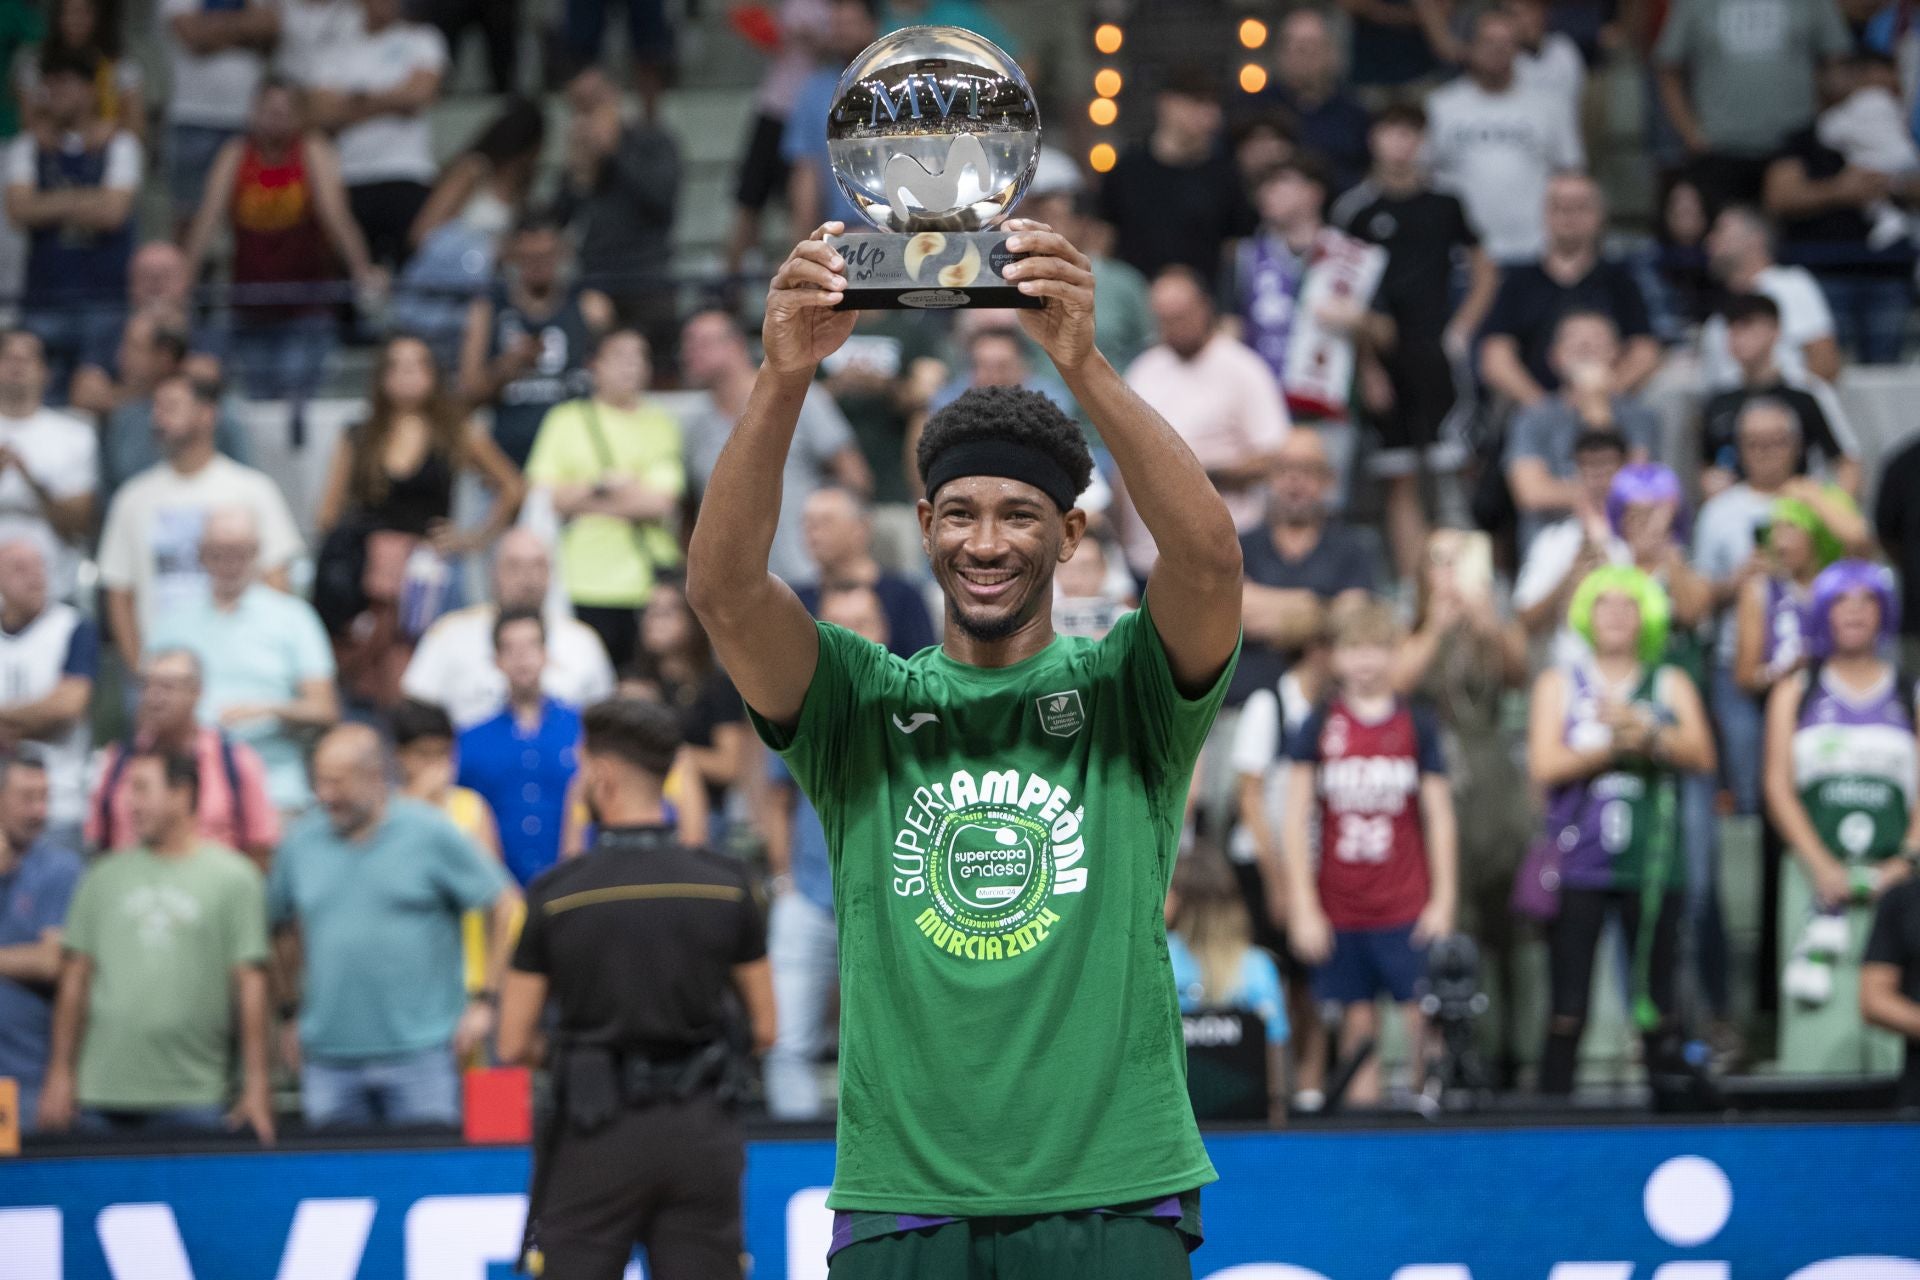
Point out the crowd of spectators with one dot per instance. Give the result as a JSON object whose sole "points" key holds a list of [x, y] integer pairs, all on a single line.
{"points": [[1381, 293]]}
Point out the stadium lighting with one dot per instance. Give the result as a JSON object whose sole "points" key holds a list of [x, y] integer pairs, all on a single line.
{"points": [[1102, 111], [1102, 157], [1253, 77], [1108, 37], [1253, 33], [1106, 82]]}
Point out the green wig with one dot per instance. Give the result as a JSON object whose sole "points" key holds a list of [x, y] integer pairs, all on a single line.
{"points": [[1628, 581], [1801, 515]]}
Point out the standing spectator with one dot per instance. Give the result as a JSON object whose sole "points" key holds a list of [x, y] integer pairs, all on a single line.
{"points": [[839, 532], [37, 878], [1896, 521], [1392, 41], [163, 984], [1548, 60], [802, 30], [713, 722], [715, 357], [1737, 77], [152, 352], [92, 30], [216, 54], [522, 761], [618, 195], [1771, 626], [528, 339], [372, 95], [1430, 243], [365, 900], [48, 463], [1740, 256], [1058, 196], [70, 187], [1563, 553], [312, 32], [423, 755], [611, 462], [1183, 154], [159, 287], [279, 188], [1494, 142], [1571, 275], [150, 549], [1217, 394], [499, 24], [813, 196], [1828, 447], [49, 657], [1327, 119], [649, 43], [21, 26], [1216, 965], [269, 670], [1890, 979]]}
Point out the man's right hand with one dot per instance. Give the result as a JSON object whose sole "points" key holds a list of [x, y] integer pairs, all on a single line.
{"points": [[801, 329], [1310, 934], [55, 1114]]}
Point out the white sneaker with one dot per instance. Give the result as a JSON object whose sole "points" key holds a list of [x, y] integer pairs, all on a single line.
{"points": [[1808, 979]]}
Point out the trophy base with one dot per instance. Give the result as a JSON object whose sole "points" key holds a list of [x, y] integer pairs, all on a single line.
{"points": [[927, 271]]}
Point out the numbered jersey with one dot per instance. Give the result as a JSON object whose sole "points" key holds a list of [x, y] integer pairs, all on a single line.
{"points": [[1373, 847], [1612, 827], [1854, 763]]}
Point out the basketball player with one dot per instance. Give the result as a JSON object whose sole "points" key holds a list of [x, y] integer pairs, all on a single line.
{"points": [[1001, 812]]}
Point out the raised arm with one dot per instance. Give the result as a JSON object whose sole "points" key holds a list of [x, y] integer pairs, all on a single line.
{"points": [[762, 633]]}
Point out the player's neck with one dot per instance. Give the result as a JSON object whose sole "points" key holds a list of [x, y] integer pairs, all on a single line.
{"points": [[964, 647]]}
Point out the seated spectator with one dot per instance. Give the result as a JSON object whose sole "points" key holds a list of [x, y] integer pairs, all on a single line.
{"points": [[839, 532], [453, 669], [150, 549], [1564, 552], [522, 761], [676, 653], [1215, 964], [163, 994], [90, 30], [1828, 446], [269, 670], [715, 357], [1740, 256], [1327, 119], [1495, 142], [159, 287], [37, 878], [1890, 979], [49, 657], [1548, 60], [813, 194], [216, 55], [278, 188], [372, 94], [368, 893], [1517, 346], [1591, 397], [153, 352], [1217, 394], [528, 340], [47, 488], [71, 183], [996, 357]]}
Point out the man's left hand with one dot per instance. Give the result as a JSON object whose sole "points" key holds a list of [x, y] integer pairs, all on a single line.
{"points": [[254, 1111], [476, 1024], [1053, 270]]}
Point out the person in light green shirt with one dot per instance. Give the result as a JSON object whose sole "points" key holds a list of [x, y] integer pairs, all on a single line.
{"points": [[612, 464], [1002, 812]]}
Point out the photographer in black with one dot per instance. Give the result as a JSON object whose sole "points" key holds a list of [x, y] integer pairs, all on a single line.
{"points": [[638, 941]]}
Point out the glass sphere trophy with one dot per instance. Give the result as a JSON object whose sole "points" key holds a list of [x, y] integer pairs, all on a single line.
{"points": [[933, 135]]}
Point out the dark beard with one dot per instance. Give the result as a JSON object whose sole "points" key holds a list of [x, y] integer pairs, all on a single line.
{"points": [[988, 631]]}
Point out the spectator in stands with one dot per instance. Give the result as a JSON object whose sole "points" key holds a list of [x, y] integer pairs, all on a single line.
{"points": [[528, 339], [1215, 962], [996, 354], [1393, 41], [1092, 590], [1828, 447], [47, 463], [1896, 521], [150, 550], [453, 666], [499, 24], [37, 878], [1548, 60], [423, 756], [1494, 142], [269, 669], [216, 55], [618, 195], [372, 94], [21, 26], [1770, 640], [1217, 394], [839, 531], [1890, 979], [763, 172], [611, 462], [278, 187], [153, 352], [1863, 120], [49, 657], [649, 44], [1516, 352], [70, 186], [312, 32], [1740, 255], [1737, 77], [1430, 241], [1122, 314], [94, 32], [813, 196], [366, 897], [1184, 154], [159, 287], [233, 806], [715, 358], [1615, 729], [1327, 119], [1539, 458], [675, 651], [1563, 553], [163, 994], [522, 761]]}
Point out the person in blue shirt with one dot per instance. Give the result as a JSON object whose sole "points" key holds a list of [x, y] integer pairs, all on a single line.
{"points": [[813, 197], [1216, 965], [523, 760], [37, 879]]}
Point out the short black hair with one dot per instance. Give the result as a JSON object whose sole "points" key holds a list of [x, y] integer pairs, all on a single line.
{"points": [[508, 617], [1750, 306], [1192, 80], [180, 771], [635, 731], [1599, 440], [414, 721], [1306, 165], [1408, 115], [1011, 414]]}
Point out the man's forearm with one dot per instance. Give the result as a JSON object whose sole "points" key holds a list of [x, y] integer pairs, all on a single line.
{"points": [[1639, 361], [35, 964], [506, 910], [250, 992], [740, 512], [1502, 370], [126, 626], [69, 1016], [1882, 1004]]}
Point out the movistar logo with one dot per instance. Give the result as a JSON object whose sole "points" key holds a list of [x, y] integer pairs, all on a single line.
{"points": [[935, 192]]}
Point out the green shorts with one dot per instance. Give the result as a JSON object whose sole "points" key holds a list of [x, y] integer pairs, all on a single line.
{"points": [[1129, 1242]]}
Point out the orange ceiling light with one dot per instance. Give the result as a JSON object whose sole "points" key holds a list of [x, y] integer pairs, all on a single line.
{"points": [[1106, 82], [1102, 157], [1253, 77], [1253, 33], [1102, 111], [1108, 37]]}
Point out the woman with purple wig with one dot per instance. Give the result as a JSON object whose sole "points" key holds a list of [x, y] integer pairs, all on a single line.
{"points": [[1843, 768]]}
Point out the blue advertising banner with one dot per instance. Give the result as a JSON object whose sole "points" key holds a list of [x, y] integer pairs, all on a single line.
{"points": [[1779, 1202]]}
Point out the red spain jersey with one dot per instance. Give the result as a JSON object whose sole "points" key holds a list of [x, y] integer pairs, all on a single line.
{"points": [[1373, 848]]}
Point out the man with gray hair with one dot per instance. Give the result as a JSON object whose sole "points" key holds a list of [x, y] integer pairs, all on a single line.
{"points": [[49, 654]]}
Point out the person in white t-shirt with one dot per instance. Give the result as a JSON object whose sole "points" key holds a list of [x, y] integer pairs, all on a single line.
{"points": [[49, 654], [150, 558], [216, 53], [311, 33], [1740, 256], [49, 464], [372, 93], [1549, 61]]}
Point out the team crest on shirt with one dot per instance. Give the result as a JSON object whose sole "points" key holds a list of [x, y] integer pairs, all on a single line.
{"points": [[1062, 714]]}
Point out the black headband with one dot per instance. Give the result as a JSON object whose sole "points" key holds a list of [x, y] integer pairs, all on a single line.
{"points": [[1007, 459]]}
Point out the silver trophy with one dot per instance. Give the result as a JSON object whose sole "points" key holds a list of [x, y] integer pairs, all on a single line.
{"points": [[933, 135]]}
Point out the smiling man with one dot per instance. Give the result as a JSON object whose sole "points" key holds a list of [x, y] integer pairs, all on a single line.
{"points": [[1001, 812]]}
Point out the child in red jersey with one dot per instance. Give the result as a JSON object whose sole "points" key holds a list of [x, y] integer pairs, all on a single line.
{"points": [[1367, 768]]}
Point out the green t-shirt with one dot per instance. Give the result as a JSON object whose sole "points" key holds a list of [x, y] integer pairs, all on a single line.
{"points": [[608, 561], [1001, 842], [165, 935]]}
